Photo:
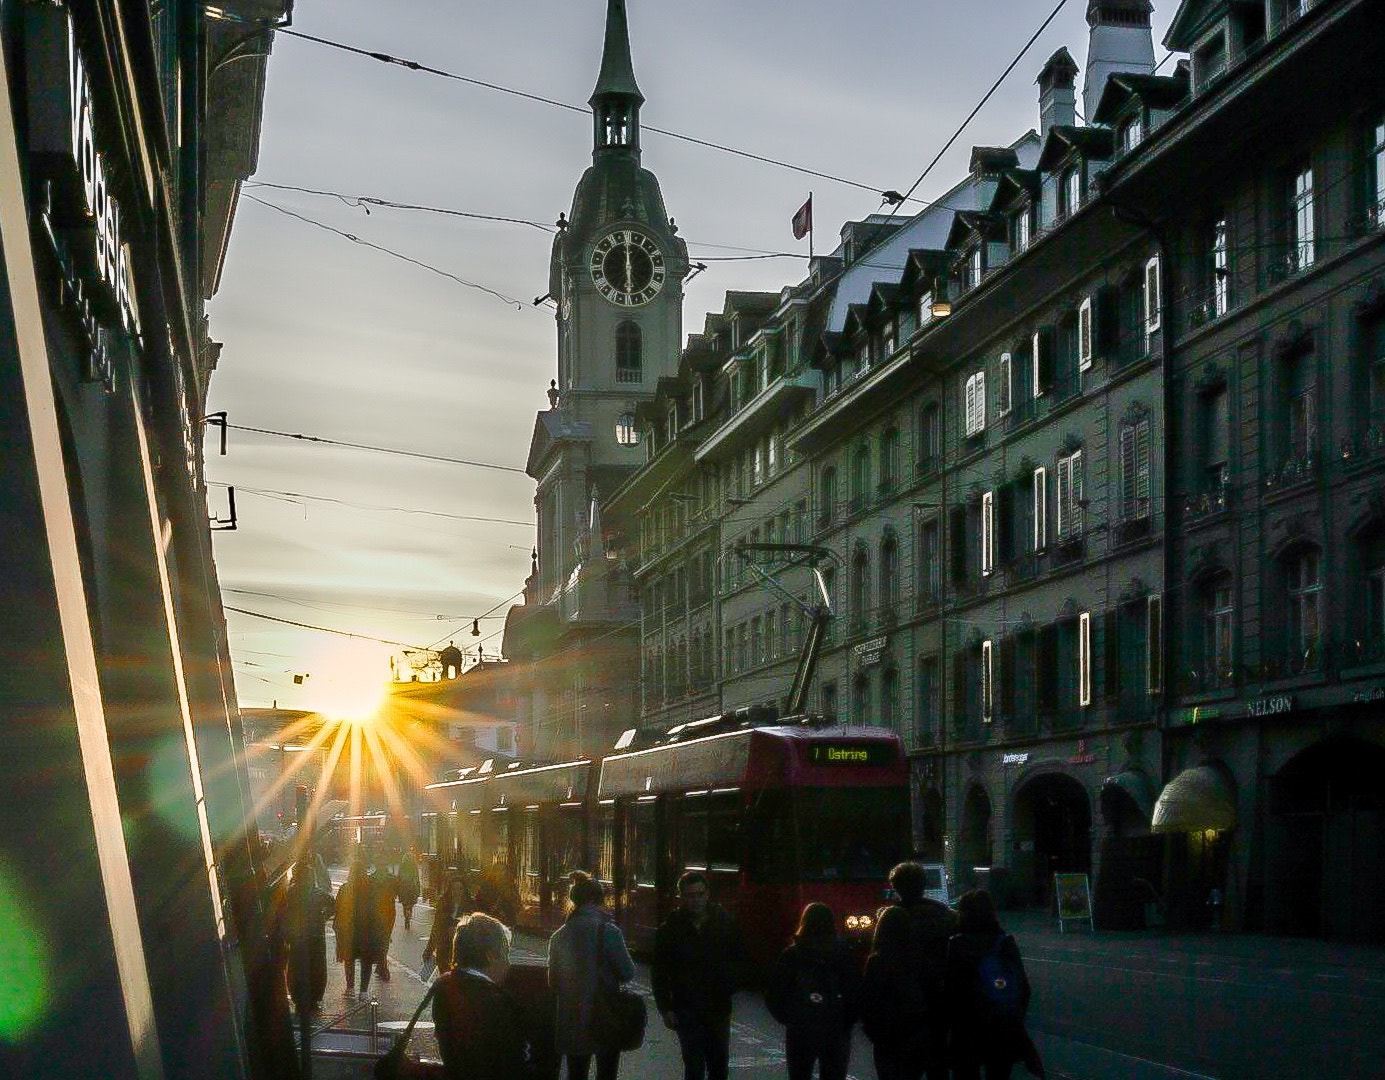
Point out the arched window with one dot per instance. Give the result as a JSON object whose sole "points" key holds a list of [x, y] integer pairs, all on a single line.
{"points": [[889, 459], [889, 571], [627, 434], [827, 500], [860, 584], [1302, 609], [860, 475], [629, 353], [1216, 666]]}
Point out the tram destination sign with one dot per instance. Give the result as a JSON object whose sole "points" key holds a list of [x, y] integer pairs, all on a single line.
{"points": [[851, 753]]}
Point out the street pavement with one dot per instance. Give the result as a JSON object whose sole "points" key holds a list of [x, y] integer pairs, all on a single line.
{"points": [[1107, 1006]]}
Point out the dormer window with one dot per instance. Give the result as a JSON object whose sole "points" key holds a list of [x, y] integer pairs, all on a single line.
{"points": [[1069, 192], [1132, 132], [698, 405], [672, 420], [1019, 229], [1210, 61], [976, 260], [926, 308]]}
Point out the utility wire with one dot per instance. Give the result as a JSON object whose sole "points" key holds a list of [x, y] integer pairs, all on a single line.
{"points": [[377, 449], [488, 614], [271, 493], [327, 605], [519, 305], [414, 65], [365, 202], [320, 629]]}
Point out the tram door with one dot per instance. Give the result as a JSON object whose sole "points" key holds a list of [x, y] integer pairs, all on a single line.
{"points": [[645, 845]]}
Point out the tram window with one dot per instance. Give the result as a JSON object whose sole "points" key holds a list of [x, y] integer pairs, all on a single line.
{"points": [[565, 851], [644, 854], [769, 843], [851, 834], [529, 856], [606, 844], [724, 830], [692, 832]]}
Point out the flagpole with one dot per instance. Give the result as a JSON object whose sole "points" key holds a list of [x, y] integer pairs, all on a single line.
{"points": [[810, 230]]}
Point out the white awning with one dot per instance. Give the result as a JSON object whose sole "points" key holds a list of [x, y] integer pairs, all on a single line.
{"points": [[1195, 799]]}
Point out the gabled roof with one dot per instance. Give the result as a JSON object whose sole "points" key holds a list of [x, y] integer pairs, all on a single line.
{"points": [[551, 429], [1156, 91], [857, 319], [1093, 143], [1194, 16], [992, 159], [1015, 184], [969, 222], [883, 296], [922, 266]]}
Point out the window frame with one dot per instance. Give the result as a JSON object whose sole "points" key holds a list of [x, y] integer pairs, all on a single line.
{"points": [[1005, 387], [987, 533], [1039, 493], [1084, 334], [974, 404]]}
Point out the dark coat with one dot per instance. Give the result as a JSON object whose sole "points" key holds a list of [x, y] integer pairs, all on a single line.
{"points": [[356, 915], [480, 1029], [819, 965], [931, 925], [574, 975], [697, 969], [977, 1038]]}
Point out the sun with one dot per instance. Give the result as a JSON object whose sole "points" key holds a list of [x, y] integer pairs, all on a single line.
{"points": [[350, 683]]}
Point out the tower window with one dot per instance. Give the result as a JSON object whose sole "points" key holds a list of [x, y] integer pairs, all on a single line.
{"points": [[627, 434], [629, 347], [615, 126]]}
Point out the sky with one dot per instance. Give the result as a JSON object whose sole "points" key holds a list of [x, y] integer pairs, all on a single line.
{"points": [[330, 338]]}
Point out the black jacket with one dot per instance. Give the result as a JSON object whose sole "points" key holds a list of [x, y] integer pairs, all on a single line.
{"points": [[698, 968], [830, 967], [480, 1029], [976, 1036]]}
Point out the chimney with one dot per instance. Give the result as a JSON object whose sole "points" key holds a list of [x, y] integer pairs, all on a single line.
{"points": [[1120, 40], [1057, 93]]}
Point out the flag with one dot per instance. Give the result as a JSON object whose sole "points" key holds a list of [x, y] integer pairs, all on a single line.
{"points": [[803, 220]]}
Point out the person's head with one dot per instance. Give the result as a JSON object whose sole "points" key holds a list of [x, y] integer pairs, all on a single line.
{"points": [[816, 926], [891, 933], [976, 911], [693, 892], [482, 943], [584, 889], [907, 880]]}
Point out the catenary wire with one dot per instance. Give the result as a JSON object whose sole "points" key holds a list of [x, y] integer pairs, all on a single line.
{"points": [[376, 449], [289, 496]]}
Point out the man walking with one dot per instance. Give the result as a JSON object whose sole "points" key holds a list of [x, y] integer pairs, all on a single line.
{"points": [[923, 1051], [699, 958]]}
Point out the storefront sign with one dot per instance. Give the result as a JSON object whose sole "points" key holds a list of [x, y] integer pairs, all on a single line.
{"points": [[1374, 693], [1270, 706], [1015, 759], [1074, 896], [869, 652], [1083, 756], [76, 203], [1195, 715]]}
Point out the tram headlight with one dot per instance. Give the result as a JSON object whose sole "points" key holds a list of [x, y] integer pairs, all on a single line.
{"points": [[859, 922]]}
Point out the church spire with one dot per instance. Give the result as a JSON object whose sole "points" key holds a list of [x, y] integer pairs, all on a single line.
{"points": [[617, 99]]}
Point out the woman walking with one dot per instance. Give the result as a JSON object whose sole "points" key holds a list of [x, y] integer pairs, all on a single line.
{"points": [[814, 992], [454, 902], [586, 955], [355, 917], [988, 993]]}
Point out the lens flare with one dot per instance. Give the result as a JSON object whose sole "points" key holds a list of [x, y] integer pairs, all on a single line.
{"points": [[24, 963]]}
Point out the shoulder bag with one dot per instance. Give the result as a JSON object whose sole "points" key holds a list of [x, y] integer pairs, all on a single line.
{"points": [[397, 1065], [619, 1014]]}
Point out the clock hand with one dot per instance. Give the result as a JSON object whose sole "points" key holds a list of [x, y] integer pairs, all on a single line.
{"points": [[629, 273]]}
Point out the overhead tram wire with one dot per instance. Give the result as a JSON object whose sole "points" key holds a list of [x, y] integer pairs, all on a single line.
{"points": [[289, 496], [414, 65], [320, 629], [518, 304], [377, 449]]}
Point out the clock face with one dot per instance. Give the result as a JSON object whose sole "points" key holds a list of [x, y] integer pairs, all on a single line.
{"points": [[627, 267]]}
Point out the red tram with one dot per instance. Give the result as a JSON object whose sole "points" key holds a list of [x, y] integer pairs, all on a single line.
{"points": [[776, 816]]}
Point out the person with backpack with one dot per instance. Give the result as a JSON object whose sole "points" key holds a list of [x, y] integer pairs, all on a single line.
{"points": [[813, 991], [903, 1011], [988, 995]]}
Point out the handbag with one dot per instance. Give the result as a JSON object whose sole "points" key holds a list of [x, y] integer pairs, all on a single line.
{"points": [[397, 1065], [619, 1014]]}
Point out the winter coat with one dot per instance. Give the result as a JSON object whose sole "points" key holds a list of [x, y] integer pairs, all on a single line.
{"points": [[408, 881], [357, 921], [480, 1029], [977, 1036], [697, 969], [806, 970], [920, 984], [574, 975]]}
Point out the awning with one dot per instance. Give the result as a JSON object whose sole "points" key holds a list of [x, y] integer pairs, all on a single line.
{"points": [[1135, 783], [1197, 798]]}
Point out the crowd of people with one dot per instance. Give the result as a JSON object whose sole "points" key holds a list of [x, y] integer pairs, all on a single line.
{"points": [[943, 993]]}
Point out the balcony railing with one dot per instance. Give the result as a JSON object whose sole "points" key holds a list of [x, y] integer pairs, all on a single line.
{"points": [[1367, 649], [1208, 304], [1294, 258], [629, 374], [1297, 468], [1021, 412], [1212, 499], [1207, 680], [1293, 660], [1133, 347]]}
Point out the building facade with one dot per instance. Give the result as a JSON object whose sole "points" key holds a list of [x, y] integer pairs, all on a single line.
{"points": [[130, 866]]}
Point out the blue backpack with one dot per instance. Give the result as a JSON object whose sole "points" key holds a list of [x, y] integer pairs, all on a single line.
{"points": [[1000, 983]]}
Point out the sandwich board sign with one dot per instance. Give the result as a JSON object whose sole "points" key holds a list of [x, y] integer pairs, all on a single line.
{"points": [[1074, 896]]}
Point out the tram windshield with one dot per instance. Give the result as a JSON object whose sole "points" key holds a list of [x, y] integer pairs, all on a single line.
{"points": [[844, 834]]}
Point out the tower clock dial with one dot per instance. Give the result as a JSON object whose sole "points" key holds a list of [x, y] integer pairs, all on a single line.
{"points": [[627, 267]]}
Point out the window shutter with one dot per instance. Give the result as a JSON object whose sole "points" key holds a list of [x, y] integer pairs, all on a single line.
{"points": [[1127, 452], [1112, 647], [1084, 659], [980, 401], [987, 681], [969, 406], [1154, 643], [1040, 508], [1037, 368], [987, 533], [1003, 391], [1064, 494], [1152, 298], [1084, 335], [1141, 456]]}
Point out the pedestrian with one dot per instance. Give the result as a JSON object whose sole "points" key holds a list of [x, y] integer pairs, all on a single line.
{"points": [[478, 1023], [354, 916], [814, 991], [699, 959], [586, 955], [988, 995], [903, 1011], [307, 905], [384, 890], [409, 886], [454, 902]]}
